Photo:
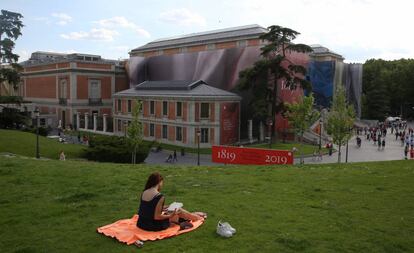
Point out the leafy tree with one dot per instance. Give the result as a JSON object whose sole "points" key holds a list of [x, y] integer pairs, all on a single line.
{"points": [[262, 79], [388, 88], [340, 120], [301, 116], [135, 130], [10, 30]]}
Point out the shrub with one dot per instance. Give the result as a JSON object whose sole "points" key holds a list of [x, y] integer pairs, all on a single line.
{"points": [[43, 131], [113, 149]]}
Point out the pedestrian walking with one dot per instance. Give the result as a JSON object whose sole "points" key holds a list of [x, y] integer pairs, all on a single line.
{"points": [[175, 156], [383, 144], [169, 158]]}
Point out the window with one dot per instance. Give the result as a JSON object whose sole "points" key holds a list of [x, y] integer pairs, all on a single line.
{"points": [[242, 43], [164, 108], [129, 106], [94, 88], [160, 52], [151, 130], [119, 125], [179, 109], [205, 110], [119, 105], [152, 107], [204, 135], [179, 133], [62, 88], [183, 49], [164, 131]]}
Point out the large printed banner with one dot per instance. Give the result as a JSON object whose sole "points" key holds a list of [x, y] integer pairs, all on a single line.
{"points": [[257, 156]]}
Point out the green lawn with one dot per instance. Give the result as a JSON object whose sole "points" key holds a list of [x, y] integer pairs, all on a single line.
{"points": [[53, 206], [24, 143]]}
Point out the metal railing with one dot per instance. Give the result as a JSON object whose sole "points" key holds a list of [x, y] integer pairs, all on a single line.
{"points": [[95, 101], [63, 101]]}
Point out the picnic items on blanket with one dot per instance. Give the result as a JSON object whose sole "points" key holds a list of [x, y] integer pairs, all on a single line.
{"points": [[224, 229], [174, 205], [127, 232]]}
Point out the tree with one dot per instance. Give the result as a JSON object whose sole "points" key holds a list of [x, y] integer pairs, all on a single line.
{"points": [[10, 30], [263, 77], [388, 89], [301, 116], [340, 120], [135, 130]]}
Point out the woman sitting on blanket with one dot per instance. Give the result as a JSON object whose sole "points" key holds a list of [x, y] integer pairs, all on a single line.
{"points": [[153, 215]]}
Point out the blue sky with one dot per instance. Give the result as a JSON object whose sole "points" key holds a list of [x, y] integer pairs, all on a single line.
{"points": [[357, 29]]}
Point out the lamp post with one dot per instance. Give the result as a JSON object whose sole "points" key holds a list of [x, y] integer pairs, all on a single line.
{"points": [[198, 147], [320, 133], [37, 133]]}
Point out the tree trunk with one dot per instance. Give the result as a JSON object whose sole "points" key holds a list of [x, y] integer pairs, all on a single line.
{"points": [[339, 154]]}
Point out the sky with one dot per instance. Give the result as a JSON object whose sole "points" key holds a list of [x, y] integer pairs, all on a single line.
{"points": [[357, 29]]}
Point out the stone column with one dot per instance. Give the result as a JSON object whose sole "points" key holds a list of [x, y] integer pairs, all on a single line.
{"points": [[261, 130], [104, 122], [77, 121], [250, 130], [95, 121], [86, 121]]}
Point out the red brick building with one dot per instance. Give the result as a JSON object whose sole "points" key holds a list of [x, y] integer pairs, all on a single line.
{"points": [[173, 112], [217, 57], [64, 86]]}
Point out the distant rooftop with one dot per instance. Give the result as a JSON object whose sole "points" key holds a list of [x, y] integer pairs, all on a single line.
{"points": [[178, 88], [241, 32], [42, 57], [319, 50]]}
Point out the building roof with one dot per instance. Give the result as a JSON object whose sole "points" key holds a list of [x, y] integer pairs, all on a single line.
{"points": [[319, 50], [178, 88], [240, 32], [42, 57]]}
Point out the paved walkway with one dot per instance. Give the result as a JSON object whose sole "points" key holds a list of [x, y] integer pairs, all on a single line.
{"points": [[367, 152]]}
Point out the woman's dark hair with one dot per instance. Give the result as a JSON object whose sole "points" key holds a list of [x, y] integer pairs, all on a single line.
{"points": [[154, 179]]}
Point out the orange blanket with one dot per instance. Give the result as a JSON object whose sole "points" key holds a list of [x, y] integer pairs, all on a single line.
{"points": [[127, 232]]}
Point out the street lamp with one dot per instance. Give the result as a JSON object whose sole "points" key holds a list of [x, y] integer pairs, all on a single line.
{"points": [[37, 133], [320, 133], [198, 147]]}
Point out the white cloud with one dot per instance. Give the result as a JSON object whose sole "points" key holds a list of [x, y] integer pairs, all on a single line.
{"points": [[121, 48], [119, 21], [23, 55], [182, 17], [62, 18], [380, 25], [96, 34]]}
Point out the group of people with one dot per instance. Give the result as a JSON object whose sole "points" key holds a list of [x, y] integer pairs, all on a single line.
{"points": [[402, 133], [377, 135]]}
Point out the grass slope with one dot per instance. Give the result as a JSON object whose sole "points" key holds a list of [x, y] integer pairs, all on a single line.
{"points": [[52, 206], [24, 143]]}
